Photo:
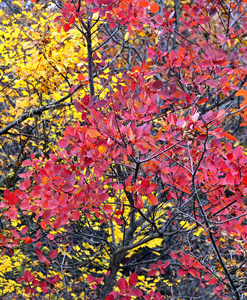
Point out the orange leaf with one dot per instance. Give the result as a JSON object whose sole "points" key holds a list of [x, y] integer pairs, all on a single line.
{"points": [[131, 188], [159, 134], [144, 3], [153, 199], [43, 225], [28, 240], [154, 8], [241, 92], [81, 77], [45, 180], [93, 133], [177, 94], [230, 137]]}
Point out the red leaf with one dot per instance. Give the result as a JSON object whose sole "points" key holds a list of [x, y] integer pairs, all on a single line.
{"points": [[13, 199], [194, 272], [64, 218], [72, 20], [212, 281], [159, 20], [151, 188], [62, 143], [47, 214], [113, 25], [27, 275], [133, 280], [43, 286], [19, 280], [12, 213], [245, 180], [50, 236], [72, 89], [27, 163], [66, 27], [27, 289], [165, 265], [139, 204], [202, 100], [196, 9], [75, 215], [122, 284], [37, 191], [53, 253], [206, 277], [173, 255], [152, 272], [24, 230], [35, 282], [94, 10], [99, 280], [37, 178], [186, 7], [158, 84], [152, 266], [67, 187], [90, 279], [40, 255], [181, 272], [108, 208], [118, 221], [136, 292], [129, 150], [57, 224], [107, 273], [109, 297]]}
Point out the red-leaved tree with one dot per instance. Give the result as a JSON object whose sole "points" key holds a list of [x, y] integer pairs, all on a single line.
{"points": [[146, 196]]}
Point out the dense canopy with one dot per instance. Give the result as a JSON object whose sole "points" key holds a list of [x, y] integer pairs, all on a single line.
{"points": [[123, 149]]}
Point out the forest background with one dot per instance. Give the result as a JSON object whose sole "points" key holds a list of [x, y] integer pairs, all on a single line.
{"points": [[123, 149]]}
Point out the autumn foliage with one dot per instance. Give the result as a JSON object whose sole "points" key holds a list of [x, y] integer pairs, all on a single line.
{"points": [[139, 188]]}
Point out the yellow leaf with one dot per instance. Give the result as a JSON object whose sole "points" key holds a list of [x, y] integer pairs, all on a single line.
{"points": [[114, 79], [102, 149], [199, 231]]}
